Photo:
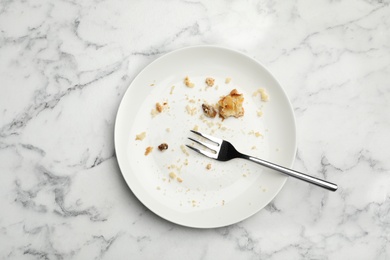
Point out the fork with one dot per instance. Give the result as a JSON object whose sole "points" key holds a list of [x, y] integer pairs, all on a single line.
{"points": [[224, 151]]}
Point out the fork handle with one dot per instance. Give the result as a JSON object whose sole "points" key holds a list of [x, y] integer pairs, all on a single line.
{"points": [[304, 177]]}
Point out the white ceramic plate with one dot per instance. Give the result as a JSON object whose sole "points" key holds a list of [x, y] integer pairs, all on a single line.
{"points": [[228, 192]]}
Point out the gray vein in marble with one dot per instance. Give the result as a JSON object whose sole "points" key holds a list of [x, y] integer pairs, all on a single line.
{"points": [[47, 251], [148, 53], [44, 103], [87, 43], [92, 212], [26, 198], [34, 149], [305, 41], [271, 207], [104, 244], [59, 186], [242, 238]]}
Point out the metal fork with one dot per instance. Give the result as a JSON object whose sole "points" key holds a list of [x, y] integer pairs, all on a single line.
{"points": [[224, 151]]}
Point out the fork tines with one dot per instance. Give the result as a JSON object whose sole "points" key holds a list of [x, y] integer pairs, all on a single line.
{"points": [[208, 137], [213, 148]]}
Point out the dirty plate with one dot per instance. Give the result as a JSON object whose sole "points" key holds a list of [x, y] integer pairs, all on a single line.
{"points": [[180, 185]]}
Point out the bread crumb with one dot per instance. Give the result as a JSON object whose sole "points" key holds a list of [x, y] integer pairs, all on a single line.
{"points": [[227, 80], [179, 179], [263, 94], [148, 150], [208, 166], [223, 202], [244, 175], [159, 107], [168, 130], [163, 147], [209, 111], [184, 150], [257, 134], [172, 175], [259, 113], [158, 188], [140, 136], [231, 105], [210, 81], [172, 88], [196, 128], [188, 83], [154, 112], [191, 110], [253, 148]]}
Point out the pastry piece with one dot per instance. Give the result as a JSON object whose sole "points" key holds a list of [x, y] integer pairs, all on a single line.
{"points": [[231, 105]]}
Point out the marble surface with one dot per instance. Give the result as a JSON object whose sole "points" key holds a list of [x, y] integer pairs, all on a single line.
{"points": [[65, 65]]}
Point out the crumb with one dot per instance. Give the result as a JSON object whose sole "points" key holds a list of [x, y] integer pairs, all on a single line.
{"points": [[210, 82], [208, 166], [259, 113], [253, 147], [209, 111], [140, 136], [188, 83], [231, 105], [184, 150], [223, 202], [210, 124], [179, 179], [154, 112], [148, 150], [227, 80], [191, 110], [192, 101], [159, 107], [196, 128], [163, 146], [172, 175], [172, 88], [257, 134], [168, 130], [186, 162], [263, 94], [158, 188], [244, 175]]}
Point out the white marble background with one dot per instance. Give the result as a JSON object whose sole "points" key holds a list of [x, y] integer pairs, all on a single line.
{"points": [[65, 64]]}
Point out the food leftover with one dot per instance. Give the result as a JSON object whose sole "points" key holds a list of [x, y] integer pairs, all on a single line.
{"points": [[209, 111], [231, 105]]}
